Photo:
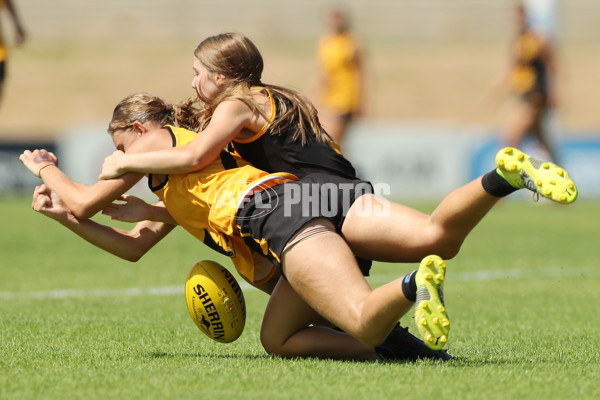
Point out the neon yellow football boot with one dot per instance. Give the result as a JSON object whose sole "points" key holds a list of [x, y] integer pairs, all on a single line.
{"points": [[544, 178], [430, 312]]}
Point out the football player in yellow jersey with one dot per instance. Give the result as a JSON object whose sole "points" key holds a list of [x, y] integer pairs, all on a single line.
{"points": [[314, 247], [20, 38], [189, 201], [531, 74], [212, 228], [340, 77]]}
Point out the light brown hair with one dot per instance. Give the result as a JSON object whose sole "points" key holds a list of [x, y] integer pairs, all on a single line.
{"points": [[145, 107], [238, 59]]}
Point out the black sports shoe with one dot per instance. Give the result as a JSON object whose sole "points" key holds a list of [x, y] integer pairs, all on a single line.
{"points": [[402, 345]]}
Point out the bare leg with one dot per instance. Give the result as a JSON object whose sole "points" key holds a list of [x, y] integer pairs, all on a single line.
{"points": [[539, 132], [324, 273], [402, 234], [521, 122], [286, 330]]}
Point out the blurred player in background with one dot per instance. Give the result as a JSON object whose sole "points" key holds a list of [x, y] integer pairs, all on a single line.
{"points": [[20, 38], [340, 77], [531, 74]]}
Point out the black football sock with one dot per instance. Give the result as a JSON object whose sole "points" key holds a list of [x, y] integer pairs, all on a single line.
{"points": [[409, 286], [496, 185]]}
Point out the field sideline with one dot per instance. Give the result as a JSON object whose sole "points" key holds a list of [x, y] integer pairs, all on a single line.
{"points": [[78, 323]]}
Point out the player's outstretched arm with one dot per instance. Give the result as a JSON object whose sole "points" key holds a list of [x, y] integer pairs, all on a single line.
{"points": [[82, 200], [129, 245], [129, 208], [227, 122], [21, 35]]}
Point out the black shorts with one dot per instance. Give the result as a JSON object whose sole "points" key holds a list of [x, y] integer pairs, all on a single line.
{"points": [[2, 71], [346, 117], [271, 217], [536, 98]]}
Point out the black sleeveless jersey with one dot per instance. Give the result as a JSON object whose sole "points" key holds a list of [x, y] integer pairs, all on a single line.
{"points": [[280, 152]]}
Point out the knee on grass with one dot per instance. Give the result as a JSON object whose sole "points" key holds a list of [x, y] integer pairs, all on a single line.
{"points": [[277, 347]]}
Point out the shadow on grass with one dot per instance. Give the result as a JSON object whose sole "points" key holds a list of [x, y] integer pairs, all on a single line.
{"points": [[165, 355], [262, 357]]}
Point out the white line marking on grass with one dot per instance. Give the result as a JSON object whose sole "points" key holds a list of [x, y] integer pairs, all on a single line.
{"points": [[500, 274], [95, 293], [470, 276], [80, 293]]}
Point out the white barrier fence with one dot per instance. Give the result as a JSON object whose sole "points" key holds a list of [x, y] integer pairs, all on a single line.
{"points": [[417, 161]]}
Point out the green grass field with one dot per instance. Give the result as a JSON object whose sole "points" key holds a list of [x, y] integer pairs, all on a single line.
{"points": [[78, 323]]}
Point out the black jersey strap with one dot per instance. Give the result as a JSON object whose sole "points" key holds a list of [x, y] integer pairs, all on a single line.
{"points": [[228, 160]]}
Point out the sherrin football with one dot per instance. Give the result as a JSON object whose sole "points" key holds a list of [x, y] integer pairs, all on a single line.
{"points": [[215, 301]]}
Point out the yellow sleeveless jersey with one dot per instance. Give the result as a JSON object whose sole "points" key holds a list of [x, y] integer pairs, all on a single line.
{"points": [[3, 50], [337, 56], [529, 73], [205, 202]]}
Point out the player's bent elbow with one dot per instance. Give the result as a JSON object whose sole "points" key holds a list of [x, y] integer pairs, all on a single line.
{"points": [[132, 255], [197, 162], [133, 258], [188, 160], [82, 212], [82, 209], [134, 251], [198, 159]]}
